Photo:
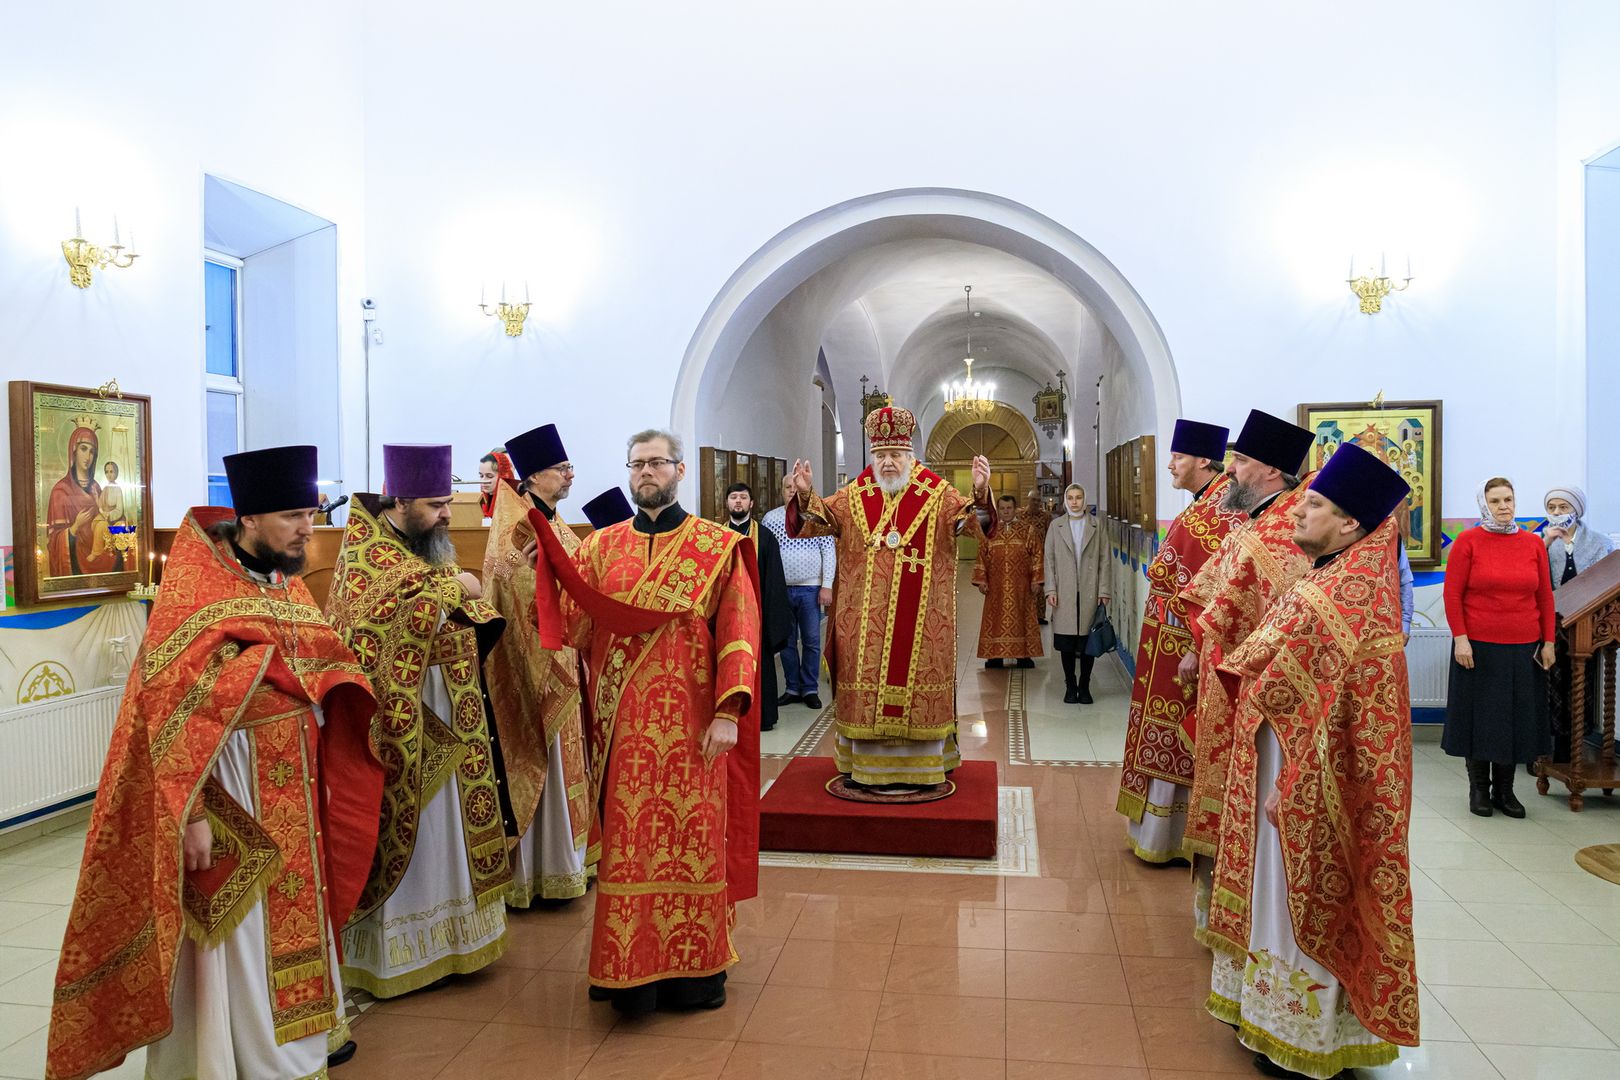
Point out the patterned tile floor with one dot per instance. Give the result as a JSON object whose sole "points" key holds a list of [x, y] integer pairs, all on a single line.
{"points": [[1087, 972]]}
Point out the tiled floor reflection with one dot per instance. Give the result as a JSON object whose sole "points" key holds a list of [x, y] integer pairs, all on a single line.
{"points": [[1087, 972]]}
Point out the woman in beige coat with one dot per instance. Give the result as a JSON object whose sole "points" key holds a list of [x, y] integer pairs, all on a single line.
{"points": [[1074, 587]]}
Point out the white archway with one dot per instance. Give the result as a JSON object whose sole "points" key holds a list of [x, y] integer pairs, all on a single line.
{"points": [[797, 253]]}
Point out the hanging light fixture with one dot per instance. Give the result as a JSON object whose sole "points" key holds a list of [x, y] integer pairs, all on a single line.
{"points": [[968, 396]]}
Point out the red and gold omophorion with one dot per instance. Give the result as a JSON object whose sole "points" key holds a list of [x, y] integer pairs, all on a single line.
{"points": [[400, 615], [669, 624], [1157, 742], [534, 692], [223, 653], [1326, 672], [894, 611], [1256, 563], [1009, 567]]}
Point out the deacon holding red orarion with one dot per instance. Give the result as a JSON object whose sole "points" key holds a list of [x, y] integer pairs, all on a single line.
{"points": [[236, 816], [1256, 563], [665, 608], [894, 607], [1158, 775], [1312, 915]]}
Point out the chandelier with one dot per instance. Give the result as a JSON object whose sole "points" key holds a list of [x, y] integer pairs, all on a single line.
{"points": [[968, 396]]}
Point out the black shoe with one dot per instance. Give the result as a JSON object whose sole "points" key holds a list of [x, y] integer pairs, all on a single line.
{"points": [[993, 664], [1025, 662], [788, 699], [1266, 1067], [1085, 695], [1041, 621], [341, 1055], [635, 1002], [811, 701], [1479, 788], [1502, 796], [768, 727], [600, 993], [1071, 696]]}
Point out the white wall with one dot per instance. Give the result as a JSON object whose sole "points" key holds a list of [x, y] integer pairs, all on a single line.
{"points": [[122, 108], [1227, 160], [1588, 126]]}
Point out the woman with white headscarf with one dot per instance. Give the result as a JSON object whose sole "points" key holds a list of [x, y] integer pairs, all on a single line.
{"points": [[1500, 608], [1572, 548]]}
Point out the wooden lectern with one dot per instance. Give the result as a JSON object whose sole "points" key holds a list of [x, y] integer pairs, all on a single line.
{"points": [[1588, 624]]}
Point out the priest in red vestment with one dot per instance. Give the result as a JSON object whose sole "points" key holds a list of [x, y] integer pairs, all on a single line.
{"points": [[1157, 778], [237, 814], [1009, 573], [1255, 564], [1312, 915], [665, 609], [894, 605]]}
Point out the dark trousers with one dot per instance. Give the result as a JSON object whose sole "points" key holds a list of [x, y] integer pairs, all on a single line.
{"points": [[801, 658], [1069, 646]]}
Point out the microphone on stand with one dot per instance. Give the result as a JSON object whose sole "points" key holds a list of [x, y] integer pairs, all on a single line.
{"points": [[334, 504]]}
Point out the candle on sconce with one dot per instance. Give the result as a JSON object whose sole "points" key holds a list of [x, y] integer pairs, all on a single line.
{"points": [[115, 231], [503, 290], [525, 292], [1381, 271], [151, 557], [1409, 268], [1352, 276], [78, 229], [480, 294]]}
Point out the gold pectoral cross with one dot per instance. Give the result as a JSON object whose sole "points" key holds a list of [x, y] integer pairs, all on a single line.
{"points": [[911, 560]]}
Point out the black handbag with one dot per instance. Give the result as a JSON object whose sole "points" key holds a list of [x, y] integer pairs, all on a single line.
{"points": [[1100, 638]]}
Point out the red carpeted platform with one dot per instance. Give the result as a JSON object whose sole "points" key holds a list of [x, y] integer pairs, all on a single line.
{"points": [[797, 814]]}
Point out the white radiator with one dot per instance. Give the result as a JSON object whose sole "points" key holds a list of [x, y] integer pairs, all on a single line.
{"points": [[1428, 667], [53, 750]]}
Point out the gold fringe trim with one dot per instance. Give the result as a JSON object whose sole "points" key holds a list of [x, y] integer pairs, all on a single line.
{"points": [[548, 887], [209, 937], [283, 979], [1309, 1062], [1229, 900], [1148, 855], [631, 984], [454, 964], [302, 1029], [1216, 942], [1130, 804], [1193, 846], [338, 1035]]}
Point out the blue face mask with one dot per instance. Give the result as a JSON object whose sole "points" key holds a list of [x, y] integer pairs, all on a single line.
{"points": [[1560, 521]]}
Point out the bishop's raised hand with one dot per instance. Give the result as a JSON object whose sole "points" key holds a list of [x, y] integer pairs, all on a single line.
{"points": [[981, 474], [803, 481]]}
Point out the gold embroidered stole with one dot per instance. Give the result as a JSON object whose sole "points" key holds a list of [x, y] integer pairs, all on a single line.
{"points": [[393, 609]]}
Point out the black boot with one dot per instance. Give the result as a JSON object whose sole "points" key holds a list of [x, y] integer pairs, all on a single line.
{"points": [[1086, 663], [1026, 662], [994, 665], [1479, 787], [1071, 689], [1502, 790]]}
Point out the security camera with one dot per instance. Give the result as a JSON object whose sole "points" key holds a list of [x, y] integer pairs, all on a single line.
{"points": [[368, 303]]}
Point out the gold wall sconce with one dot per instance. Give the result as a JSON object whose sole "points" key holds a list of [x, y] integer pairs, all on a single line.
{"points": [[84, 258], [511, 314], [1371, 290]]}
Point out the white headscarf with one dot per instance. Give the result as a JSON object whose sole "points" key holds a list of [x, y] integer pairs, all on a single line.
{"points": [[1486, 520], [1572, 495]]}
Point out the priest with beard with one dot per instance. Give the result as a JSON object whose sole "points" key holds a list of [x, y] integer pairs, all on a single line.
{"points": [[665, 609], [432, 907], [534, 692], [1256, 563], [1312, 920], [894, 607], [236, 817]]}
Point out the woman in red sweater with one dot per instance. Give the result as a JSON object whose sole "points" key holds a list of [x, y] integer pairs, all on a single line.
{"points": [[1499, 602]]}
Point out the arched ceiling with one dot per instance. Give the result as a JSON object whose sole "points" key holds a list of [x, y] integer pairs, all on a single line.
{"points": [[896, 312]]}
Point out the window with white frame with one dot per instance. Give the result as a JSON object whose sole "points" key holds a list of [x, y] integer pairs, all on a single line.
{"points": [[223, 336]]}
